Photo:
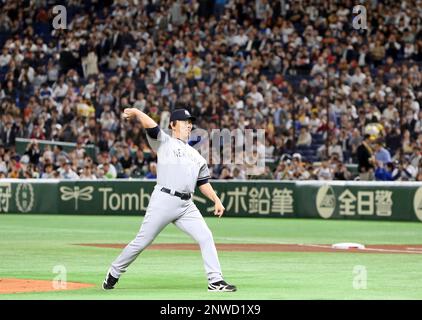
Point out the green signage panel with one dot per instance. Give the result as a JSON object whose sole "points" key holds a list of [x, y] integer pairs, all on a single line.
{"points": [[300, 199]]}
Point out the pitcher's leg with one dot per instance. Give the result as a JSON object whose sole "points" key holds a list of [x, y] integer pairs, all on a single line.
{"points": [[151, 226], [194, 225]]}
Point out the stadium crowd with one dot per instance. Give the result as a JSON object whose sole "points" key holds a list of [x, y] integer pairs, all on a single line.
{"points": [[326, 94]]}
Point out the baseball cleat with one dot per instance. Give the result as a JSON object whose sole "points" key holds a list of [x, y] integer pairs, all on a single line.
{"points": [[221, 286], [109, 282]]}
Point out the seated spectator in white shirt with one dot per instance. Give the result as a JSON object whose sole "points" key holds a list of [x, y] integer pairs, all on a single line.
{"points": [[5, 58], [67, 172], [405, 171], [319, 67], [359, 77], [110, 171], [48, 172], [60, 89], [305, 138], [255, 95], [324, 172]]}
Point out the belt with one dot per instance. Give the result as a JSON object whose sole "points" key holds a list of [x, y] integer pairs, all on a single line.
{"points": [[183, 196]]}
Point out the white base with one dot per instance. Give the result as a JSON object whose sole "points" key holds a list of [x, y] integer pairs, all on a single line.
{"points": [[348, 245]]}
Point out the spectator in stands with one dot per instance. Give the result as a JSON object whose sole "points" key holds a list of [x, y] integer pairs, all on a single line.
{"points": [[109, 170], [9, 133], [60, 89], [5, 57], [48, 171], [282, 171], [416, 156], [269, 150], [334, 148], [391, 112], [33, 151], [3, 164], [58, 154], [67, 171], [365, 159], [305, 138], [152, 173], [15, 171], [314, 122], [299, 170], [384, 171], [86, 173], [238, 173], [381, 154], [126, 160], [407, 142], [340, 172], [90, 64], [324, 172], [405, 171], [225, 174], [266, 175]]}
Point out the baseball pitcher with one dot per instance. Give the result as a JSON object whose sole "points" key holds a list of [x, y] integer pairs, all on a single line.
{"points": [[180, 168]]}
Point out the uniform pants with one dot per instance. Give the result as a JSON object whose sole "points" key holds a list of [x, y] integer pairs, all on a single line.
{"points": [[163, 209]]}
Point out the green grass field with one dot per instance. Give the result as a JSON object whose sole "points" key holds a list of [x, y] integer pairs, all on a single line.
{"points": [[32, 245]]}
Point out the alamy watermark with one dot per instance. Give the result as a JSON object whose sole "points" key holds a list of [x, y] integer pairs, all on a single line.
{"points": [[360, 20], [59, 281], [245, 148], [60, 18], [360, 279]]}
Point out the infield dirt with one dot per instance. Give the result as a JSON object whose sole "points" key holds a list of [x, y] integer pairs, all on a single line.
{"points": [[386, 249]]}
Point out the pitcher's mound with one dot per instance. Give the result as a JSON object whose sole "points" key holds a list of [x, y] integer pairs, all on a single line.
{"points": [[12, 285]]}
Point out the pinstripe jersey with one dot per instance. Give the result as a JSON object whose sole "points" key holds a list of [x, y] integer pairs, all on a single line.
{"points": [[179, 166]]}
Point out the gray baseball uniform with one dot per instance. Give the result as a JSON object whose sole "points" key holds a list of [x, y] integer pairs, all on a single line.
{"points": [[179, 169]]}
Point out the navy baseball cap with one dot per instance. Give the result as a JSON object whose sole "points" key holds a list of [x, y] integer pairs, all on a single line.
{"points": [[181, 114]]}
